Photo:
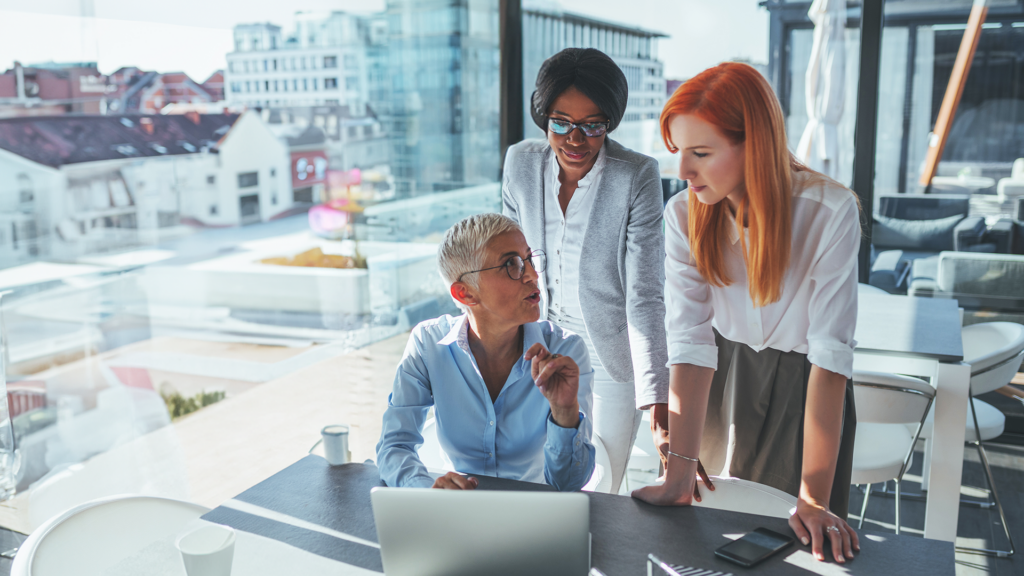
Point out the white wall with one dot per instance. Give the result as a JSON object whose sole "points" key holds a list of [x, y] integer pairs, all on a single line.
{"points": [[250, 146]]}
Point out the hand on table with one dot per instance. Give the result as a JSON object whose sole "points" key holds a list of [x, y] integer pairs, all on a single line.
{"points": [[558, 378], [674, 494], [455, 481], [813, 522]]}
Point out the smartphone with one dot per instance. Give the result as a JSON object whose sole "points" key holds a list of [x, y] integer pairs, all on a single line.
{"points": [[754, 547]]}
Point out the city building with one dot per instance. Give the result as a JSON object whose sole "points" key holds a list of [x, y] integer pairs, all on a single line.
{"points": [[547, 29], [443, 117], [81, 184], [150, 92], [323, 63], [352, 138], [52, 88]]}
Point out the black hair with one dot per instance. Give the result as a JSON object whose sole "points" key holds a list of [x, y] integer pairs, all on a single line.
{"points": [[592, 72]]}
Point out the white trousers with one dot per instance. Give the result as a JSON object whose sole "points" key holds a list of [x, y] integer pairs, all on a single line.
{"points": [[616, 419]]}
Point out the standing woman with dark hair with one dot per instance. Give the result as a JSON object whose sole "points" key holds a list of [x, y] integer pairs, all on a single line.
{"points": [[594, 207], [761, 292]]}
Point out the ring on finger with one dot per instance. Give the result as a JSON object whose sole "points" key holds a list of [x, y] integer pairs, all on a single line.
{"points": [[832, 529]]}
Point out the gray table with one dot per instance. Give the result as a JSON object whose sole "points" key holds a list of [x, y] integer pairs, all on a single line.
{"points": [[311, 493], [921, 337]]}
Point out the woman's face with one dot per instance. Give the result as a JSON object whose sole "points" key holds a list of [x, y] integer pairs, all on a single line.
{"points": [[709, 162], [498, 297], [575, 151]]}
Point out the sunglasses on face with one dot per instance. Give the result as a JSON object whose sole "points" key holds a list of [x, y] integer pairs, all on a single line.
{"points": [[590, 129], [516, 266]]}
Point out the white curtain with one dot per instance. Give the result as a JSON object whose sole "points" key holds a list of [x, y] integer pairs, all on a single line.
{"points": [[824, 87]]}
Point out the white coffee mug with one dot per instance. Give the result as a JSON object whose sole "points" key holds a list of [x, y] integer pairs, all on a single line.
{"points": [[207, 551], [335, 439]]}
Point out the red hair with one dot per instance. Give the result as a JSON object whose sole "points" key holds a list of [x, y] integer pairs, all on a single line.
{"points": [[739, 102]]}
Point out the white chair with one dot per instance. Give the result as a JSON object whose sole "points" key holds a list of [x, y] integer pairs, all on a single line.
{"points": [[891, 411], [1014, 185], [644, 465], [869, 289], [995, 351], [431, 454], [94, 536], [737, 495]]}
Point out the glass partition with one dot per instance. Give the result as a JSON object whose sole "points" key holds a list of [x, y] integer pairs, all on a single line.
{"points": [[179, 227]]}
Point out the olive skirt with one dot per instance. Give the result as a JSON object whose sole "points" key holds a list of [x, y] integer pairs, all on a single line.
{"points": [[755, 421]]}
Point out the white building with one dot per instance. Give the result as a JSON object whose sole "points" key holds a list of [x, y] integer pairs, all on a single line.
{"points": [[547, 30], [75, 185], [326, 62]]}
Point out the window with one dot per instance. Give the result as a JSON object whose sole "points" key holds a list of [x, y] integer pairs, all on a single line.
{"points": [[248, 179], [189, 308]]}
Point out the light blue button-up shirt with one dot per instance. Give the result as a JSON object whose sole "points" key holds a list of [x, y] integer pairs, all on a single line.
{"points": [[512, 437]]}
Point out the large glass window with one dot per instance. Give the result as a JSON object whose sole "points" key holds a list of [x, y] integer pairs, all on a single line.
{"points": [[193, 240]]}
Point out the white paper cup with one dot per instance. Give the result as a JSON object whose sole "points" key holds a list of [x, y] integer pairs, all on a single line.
{"points": [[336, 444], [207, 551]]}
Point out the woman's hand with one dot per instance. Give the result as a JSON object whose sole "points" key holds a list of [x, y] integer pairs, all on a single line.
{"points": [[558, 378], [675, 494], [813, 522], [455, 481]]}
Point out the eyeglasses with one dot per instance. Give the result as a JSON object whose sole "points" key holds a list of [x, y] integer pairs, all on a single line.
{"points": [[590, 129], [516, 266]]}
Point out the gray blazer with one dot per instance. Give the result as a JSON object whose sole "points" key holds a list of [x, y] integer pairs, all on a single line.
{"points": [[622, 262]]}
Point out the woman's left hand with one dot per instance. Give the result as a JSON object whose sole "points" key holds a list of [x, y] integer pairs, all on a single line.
{"points": [[813, 522]]}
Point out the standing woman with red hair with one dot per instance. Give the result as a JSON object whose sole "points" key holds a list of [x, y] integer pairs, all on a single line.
{"points": [[761, 299]]}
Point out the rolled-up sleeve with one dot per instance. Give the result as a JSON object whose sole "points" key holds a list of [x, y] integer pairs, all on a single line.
{"points": [[401, 433], [691, 339], [569, 452], [832, 310]]}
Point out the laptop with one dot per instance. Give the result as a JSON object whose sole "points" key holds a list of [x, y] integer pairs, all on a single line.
{"points": [[425, 532]]}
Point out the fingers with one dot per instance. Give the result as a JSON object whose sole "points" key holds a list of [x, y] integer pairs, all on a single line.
{"points": [[536, 350], [704, 476], [847, 543], [835, 537], [456, 481], [855, 540], [798, 528], [536, 355], [696, 491], [563, 365]]}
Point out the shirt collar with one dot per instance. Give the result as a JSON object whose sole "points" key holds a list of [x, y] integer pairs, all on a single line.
{"points": [[587, 180], [459, 334], [734, 231]]}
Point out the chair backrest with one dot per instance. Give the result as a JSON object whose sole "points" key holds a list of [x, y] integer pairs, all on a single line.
{"points": [[997, 276], [1017, 172], [431, 453], [923, 206], [869, 289], [993, 341], [890, 399], [737, 495]]}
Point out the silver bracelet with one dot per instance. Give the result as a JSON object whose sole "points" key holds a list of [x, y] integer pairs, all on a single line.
{"points": [[671, 453]]}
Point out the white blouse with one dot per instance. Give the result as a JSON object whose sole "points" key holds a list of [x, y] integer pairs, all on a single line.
{"points": [[817, 313], [563, 234]]}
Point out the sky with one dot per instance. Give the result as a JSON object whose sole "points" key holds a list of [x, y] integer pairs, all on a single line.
{"points": [[193, 36]]}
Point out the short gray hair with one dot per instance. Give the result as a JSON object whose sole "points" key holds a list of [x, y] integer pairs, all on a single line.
{"points": [[462, 249]]}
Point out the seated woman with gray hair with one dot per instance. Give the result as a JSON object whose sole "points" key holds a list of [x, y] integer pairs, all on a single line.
{"points": [[511, 395]]}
